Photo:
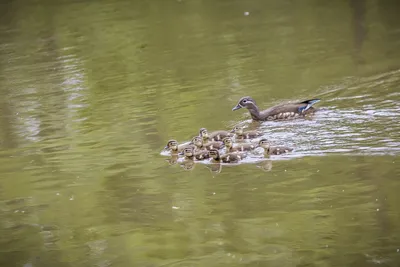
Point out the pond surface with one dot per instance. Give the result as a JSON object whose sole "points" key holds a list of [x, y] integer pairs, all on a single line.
{"points": [[91, 91]]}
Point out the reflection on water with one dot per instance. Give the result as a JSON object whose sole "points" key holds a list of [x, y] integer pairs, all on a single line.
{"points": [[90, 92]]}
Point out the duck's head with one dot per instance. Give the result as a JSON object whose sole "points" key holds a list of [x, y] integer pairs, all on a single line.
{"points": [[264, 143], [245, 102], [172, 144], [203, 133], [188, 152], [238, 130], [227, 142], [197, 141], [214, 153]]}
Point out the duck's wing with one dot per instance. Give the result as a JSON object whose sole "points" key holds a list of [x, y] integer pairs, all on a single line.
{"points": [[283, 111], [307, 104], [202, 155], [279, 150], [219, 135], [243, 147], [181, 147]]}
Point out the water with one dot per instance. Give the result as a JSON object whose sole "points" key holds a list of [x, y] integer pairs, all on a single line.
{"points": [[90, 92]]}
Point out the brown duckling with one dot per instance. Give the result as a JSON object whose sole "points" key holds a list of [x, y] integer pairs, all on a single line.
{"points": [[173, 146], [273, 150], [240, 134], [227, 158], [199, 143], [239, 147], [278, 112], [214, 136], [190, 154]]}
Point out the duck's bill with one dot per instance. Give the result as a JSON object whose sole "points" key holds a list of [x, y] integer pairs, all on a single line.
{"points": [[237, 107]]}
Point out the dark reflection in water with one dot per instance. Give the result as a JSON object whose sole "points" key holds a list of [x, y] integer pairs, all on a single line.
{"points": [[359, 27], [91, 91]]}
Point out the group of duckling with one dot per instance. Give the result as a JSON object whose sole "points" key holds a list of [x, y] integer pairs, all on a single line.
{"points": [[223, 146], [233, 146]]}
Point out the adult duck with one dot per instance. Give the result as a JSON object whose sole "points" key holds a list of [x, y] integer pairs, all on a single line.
{"points": [[278, 112]]}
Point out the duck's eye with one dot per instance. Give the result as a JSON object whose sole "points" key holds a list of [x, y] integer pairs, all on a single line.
{"points": [[244, 101]]}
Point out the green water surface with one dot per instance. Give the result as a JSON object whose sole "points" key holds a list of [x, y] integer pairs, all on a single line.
{"points": [[91, 91]]}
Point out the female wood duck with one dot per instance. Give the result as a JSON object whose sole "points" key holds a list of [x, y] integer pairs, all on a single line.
{"points": [[214, 136], [173, 146], [239, 147], [227, 158], [279, 112], [189, 154], [199, 143], [240, 134], [273, 150]]}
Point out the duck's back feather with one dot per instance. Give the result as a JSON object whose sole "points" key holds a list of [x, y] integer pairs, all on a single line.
{"points": [[289, 110]]}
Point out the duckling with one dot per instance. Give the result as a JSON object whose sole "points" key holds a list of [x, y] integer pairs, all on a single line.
{"points": [[239, 147], [199, 143], [278, 112], [173, 146], [214, 136], [238, 130], [189, 154], [227, 158], [273, 150]]}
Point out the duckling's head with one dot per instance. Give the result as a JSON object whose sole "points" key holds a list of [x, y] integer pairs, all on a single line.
{"points": [[238, 130], [188, 152], [227, 142], [197, 141], [203, 133], [172, 144], [214, 153], [245, 102], [264, 143]]}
